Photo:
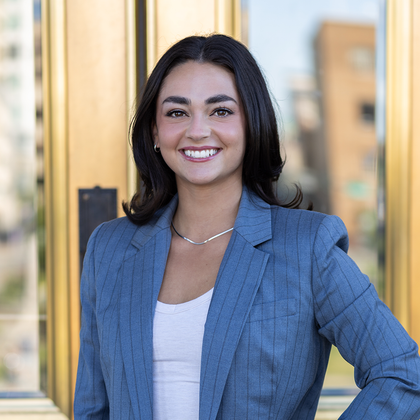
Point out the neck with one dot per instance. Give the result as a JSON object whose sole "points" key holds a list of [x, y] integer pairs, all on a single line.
{"points": [[206, 211]]}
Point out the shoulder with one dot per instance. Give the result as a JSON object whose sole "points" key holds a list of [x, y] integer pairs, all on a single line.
{"points": [[110, 244], [309, 226], [113, 231], [111, 241], [296, 221]]}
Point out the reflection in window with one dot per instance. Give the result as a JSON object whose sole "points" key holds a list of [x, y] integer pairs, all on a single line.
{"points": [[20, 319], [351, 191], [319, 60], [362, 58], [367, 113]]}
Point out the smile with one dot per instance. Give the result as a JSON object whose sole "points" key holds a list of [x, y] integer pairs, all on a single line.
{"points": [[200, 154]]}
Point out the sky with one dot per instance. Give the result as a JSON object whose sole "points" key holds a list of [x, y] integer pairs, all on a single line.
{"points": [[281, 34]]}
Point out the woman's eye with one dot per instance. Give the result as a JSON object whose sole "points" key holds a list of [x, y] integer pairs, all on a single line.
{"points": [[222, 112], [175, 113]]}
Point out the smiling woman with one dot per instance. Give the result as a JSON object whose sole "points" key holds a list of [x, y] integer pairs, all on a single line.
{"points": [[225, 60], [235, 319]]}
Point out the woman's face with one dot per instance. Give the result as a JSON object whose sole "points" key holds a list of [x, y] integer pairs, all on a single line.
{"points": [[200, 125]]}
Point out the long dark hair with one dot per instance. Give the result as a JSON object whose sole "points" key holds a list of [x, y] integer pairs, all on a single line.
{"points": [[262, 164]]}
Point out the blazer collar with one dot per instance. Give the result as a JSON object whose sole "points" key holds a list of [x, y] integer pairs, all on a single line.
{"points": [[253, 221], [160, 221]]}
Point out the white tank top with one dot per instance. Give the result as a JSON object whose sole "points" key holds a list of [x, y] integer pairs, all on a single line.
{"points": [[177, 342]]}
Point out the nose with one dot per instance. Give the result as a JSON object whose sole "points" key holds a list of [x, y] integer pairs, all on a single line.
{"points": [[198, 128]]}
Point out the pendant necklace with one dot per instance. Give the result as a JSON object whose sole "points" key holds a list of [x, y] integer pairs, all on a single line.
{"points": [[200, 243]]}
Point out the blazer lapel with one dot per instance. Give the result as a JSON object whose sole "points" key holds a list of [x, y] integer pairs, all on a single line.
{"points": [[141, 277], [236, 286]]}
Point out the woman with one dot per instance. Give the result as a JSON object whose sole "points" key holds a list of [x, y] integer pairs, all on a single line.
{"points": [[212, 299]]}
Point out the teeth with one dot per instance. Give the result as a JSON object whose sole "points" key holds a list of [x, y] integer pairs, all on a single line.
{"points": [[197, 154]]}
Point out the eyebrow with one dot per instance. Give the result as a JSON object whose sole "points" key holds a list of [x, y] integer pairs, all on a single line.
{"points": [[181, 100], [219, 98]]}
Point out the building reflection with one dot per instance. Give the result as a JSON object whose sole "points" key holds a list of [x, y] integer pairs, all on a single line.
{"points": [[335, 117]]}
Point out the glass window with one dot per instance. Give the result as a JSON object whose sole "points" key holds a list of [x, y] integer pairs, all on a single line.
{"points": [[367, 113], [319, 58], [22, 271]]}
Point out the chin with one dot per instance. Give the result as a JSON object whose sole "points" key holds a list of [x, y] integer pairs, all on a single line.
{"points": [[211, 179], [198, 179]]}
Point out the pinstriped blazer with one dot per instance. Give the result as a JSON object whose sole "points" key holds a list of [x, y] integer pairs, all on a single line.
{"points": [[286, 290]]}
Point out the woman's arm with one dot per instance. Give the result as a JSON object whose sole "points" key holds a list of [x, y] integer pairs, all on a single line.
{"points": [[91, 399], [353, 318]]}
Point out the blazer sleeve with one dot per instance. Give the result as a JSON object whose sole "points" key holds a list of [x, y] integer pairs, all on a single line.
{"points": [[90, 400], [353, 318]]}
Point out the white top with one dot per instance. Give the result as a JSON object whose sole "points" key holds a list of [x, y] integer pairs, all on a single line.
{"points": [[177, 342]]}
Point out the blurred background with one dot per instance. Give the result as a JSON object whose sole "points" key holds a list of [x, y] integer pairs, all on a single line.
{"points": [[22, 245], [341, 74]]}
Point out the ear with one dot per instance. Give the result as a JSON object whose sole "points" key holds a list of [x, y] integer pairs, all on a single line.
{"points": [[154, 130], [155, 134]]}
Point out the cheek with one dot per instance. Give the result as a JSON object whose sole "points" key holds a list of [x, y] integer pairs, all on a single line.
{"points": [[169, 157], [239, 138], [165, 136], [169, 134], [233, 133]]}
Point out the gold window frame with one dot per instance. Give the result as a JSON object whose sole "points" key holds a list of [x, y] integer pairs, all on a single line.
{"points": [[402, 154], [55, 111]]}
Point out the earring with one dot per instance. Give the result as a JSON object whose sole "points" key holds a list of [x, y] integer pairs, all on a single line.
{"points": [[157, 149]]}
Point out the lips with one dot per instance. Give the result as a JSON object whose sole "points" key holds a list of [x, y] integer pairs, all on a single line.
{"points": [[200, 154]]}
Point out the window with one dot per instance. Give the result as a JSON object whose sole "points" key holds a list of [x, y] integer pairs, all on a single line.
{"points": [[362, 59], [367, 113]]}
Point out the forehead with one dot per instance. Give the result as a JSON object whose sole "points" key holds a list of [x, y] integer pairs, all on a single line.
{"points": [[193, 79]]}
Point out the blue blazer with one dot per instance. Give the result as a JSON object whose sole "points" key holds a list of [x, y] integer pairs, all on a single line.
{"points": [[285, 291]]}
